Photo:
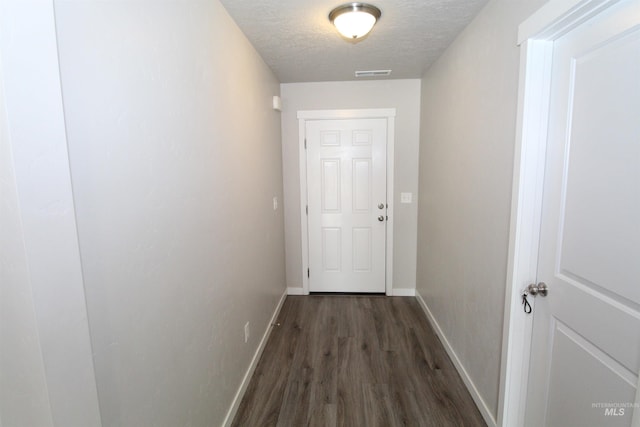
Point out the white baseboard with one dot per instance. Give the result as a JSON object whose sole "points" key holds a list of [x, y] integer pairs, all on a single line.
{"points": [[403, 292], [480, 403], [252, 367], [396, 292]]}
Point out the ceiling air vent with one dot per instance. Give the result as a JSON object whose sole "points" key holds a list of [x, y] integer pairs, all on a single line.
{"points": [[373, 73]]}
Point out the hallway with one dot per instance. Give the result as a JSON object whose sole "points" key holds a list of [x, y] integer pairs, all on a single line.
{"points": [[153, 207], [355, 361]]}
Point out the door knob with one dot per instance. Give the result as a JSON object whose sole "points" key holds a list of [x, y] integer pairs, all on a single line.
{"points": [[380, 218], [540, 289], [381, 206]]}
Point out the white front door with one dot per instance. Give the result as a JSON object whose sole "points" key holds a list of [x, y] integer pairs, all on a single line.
{"points": [[586, 332], [347, 197]]}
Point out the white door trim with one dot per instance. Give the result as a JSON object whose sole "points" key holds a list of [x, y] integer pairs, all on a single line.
{"points": [[535, 37], [303, 116]]}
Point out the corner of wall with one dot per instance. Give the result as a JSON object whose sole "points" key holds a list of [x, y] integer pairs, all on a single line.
{"points": [[487, 413]]}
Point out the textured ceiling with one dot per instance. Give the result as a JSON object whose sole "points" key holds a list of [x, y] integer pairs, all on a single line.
{"points": [[298, 42]]}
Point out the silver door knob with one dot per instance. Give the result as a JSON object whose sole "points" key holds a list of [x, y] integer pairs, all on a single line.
{"points": [[380, 218], [381, 206], [540, 289]]}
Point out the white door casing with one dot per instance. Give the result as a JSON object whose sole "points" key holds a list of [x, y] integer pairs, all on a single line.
{"points": [[384, 265], [585, 350], [346, 182]]}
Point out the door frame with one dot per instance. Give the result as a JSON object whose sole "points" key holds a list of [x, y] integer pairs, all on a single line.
{"points": [[535, 38], [372, 113]]}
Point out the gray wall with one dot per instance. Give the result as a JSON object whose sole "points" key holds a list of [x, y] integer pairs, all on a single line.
{"points": [[404, 95], [46, 362], [23, 389], [466, 158], [174, 156]]}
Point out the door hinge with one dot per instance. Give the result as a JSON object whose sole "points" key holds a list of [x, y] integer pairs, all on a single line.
{"points": [[307, 209], [308, 273], [305, 143]]}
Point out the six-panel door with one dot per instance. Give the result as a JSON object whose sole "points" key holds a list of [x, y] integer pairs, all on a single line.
{"points": [[346, 187]]}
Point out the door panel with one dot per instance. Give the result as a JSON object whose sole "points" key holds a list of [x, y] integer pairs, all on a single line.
{"points": [[362, 249], [600, 237], [330, 186], [577, 362], [586, 333], [362, 185], [331, 249], [346, 179]]}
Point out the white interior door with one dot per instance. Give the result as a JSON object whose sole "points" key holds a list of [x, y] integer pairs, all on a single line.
{"points": [[586, 331], [346, 188]]}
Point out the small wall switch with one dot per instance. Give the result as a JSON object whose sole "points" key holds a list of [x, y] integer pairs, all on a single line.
{"points": [[406, 197], [277, 103], [246, 332], [275, 203]]}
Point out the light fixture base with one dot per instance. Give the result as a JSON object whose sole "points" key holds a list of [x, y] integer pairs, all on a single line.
{"points": [[354, 20]]}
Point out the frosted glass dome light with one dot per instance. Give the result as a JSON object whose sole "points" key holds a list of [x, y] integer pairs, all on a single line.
{"points": [[354, 20]]}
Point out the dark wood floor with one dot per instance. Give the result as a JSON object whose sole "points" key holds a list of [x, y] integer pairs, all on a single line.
{"points": [[355, 361]]}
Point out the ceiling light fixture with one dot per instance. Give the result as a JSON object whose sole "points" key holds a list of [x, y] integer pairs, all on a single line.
{"points": [[354, 20]]}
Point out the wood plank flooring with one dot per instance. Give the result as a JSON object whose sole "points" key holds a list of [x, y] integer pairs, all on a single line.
{"points": [[355, 361]]}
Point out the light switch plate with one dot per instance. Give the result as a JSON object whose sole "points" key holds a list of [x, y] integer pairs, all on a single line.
{"points": [[277, 103], [406, 197]]}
